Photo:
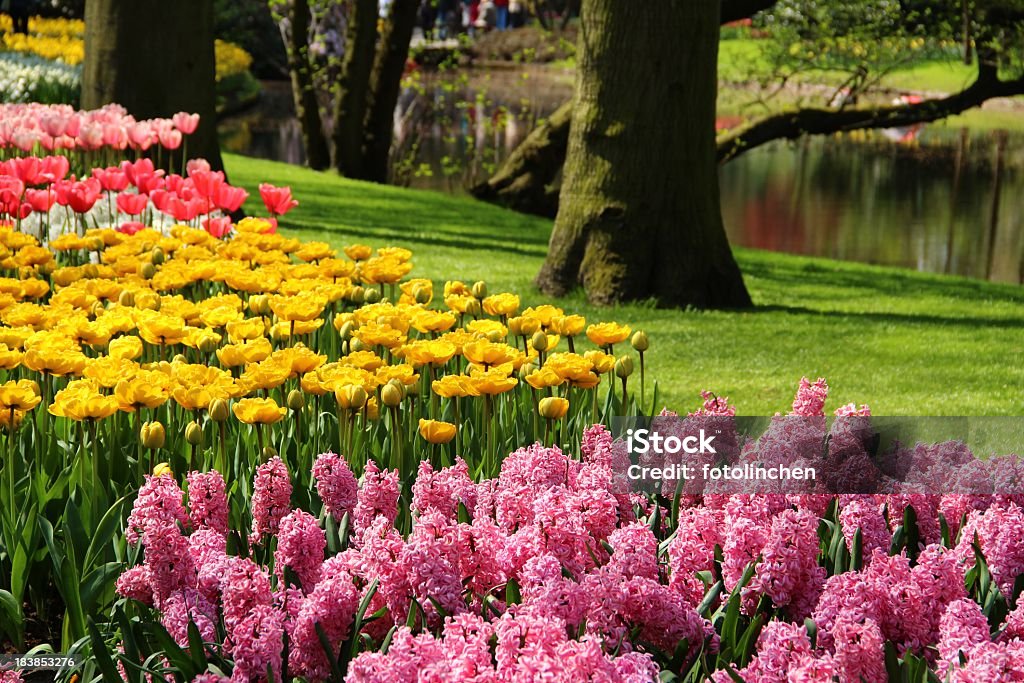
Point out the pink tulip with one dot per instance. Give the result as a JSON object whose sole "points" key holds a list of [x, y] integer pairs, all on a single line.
{"points": [[278, 200], [196, 165], [41, 200], [170, 138], [132, 204], [54, 168], [218, 227], [140, 136], [111, 179], [185, 122], [130, 227], [115, 136], [54, 125], [161, 199], [230, 199], [207, 183], [26, 169]]}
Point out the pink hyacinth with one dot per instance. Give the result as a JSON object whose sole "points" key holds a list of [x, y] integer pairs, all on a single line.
{"points": [[378, 497], [335, 484], [158, 504], [443, 490], [810, 398], [271, 498], [300, 548], [207, 501], [332, 606]]}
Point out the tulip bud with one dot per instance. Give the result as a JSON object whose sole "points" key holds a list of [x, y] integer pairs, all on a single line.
{"points": [[357, 295], [351, 397], [411, 389], [95, 243], [526, 369], [156, 257], [640, 341], [162, 470], [372, 296], [219, 411], [269, 452], [479, 289], [194, 433], [553, 408], [97, 309], [356, 345], [179, 358], [473, 307], [147, 271], [208, 344], [515, 326], [153, 435], [539, 340], [624, 367], [90, 271], [346, 330], [421, 295], [392, 394], [255, 303], [494, 336], [296, 401], [46, 269], [126, 298]]}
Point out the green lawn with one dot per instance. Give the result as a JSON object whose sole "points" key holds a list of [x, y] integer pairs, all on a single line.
{"points": [[905, 343]]}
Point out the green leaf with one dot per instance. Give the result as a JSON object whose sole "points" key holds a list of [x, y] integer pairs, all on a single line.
{"points": [[512, 594], [325, 643], [101, 654]]}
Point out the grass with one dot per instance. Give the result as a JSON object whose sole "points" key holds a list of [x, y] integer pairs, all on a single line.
{"points": [[906, 343]]}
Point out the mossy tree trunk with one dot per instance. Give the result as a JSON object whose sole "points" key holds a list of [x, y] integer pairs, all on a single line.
{"points": [[307, 106], [639, 212], [155, 58], [385, 83], [354, 88]]}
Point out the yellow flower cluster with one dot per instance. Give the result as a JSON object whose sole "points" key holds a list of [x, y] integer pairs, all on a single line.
{"points": [[186, 318], [62, 39]]}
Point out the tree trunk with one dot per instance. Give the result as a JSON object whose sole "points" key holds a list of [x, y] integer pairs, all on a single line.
{"points": [[354, 87], [307, 107], [155, 58], [525, 181], [385, 84], [639, 212]]}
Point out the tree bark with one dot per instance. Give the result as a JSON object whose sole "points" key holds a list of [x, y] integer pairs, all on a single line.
{"points": [[525, 181], [639, 210], [354, 88], [385, 84], [155, 58], [307, 107]]}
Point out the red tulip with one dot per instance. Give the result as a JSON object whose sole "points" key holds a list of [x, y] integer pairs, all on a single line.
{"points": [[11, 190], [278, 200], [82, 196], [54, 168], [161, 199], [184, 210], [132, 204], [26, 169], [207, 183]]}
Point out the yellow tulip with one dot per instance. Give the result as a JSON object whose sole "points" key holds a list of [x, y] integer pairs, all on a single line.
{"points": [[553, 408], [436, 431], [258, 411]]}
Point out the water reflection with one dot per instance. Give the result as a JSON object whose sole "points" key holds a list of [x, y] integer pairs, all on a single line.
{"points": [[947, 202]]}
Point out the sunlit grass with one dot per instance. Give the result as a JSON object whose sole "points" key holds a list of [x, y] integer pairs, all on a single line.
{"points": [[906, 343]]}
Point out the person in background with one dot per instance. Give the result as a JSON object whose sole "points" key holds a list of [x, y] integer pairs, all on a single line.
{"points": [[470, 13], [501, 14], [486, 15], [427, 19], [516, 13], [445, 12], [20, 10]]}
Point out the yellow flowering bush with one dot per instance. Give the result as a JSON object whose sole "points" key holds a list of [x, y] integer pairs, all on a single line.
{"points": [[63, 40]]}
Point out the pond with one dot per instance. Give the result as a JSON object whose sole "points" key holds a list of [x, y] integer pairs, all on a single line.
{"points": [[941, 200]]}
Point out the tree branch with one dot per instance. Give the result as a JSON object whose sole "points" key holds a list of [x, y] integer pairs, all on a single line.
{"points": [[795, 123], [734, 10]]}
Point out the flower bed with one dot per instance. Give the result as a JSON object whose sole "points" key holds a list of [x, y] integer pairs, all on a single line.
{"points": [[176, 387]]}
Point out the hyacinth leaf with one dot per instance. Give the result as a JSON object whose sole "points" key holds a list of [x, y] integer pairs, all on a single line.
{"points": [[749, 640], [679, 655], [96, 583], [464, 516], [357, 625], [10, 618], [812, 631], [894, 671], [178, 658], [733, 674], [913, 543], [101, 654], [667, 676], [512, 594], [857, 551], [196, 650], [325, 643], [386, 643], [104, 532], [128, 641], [710, 598]]}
